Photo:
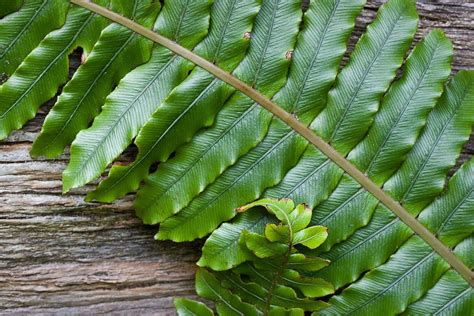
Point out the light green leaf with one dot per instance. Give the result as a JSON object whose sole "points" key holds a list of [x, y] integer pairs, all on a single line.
{"points": [[187, 307], [310, 287], [298, 261], [300, 217], [280, 208], [278, 311], [279, 233], [222, 250], [262, 247], [311, 237]]}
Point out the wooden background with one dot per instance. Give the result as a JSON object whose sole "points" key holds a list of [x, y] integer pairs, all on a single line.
{"points": [[59, 254]]}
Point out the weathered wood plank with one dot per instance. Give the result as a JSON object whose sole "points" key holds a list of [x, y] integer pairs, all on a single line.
{"points": [[59, 254]]}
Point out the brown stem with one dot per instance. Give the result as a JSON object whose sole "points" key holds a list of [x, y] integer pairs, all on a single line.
{"points": [[276, 277]]}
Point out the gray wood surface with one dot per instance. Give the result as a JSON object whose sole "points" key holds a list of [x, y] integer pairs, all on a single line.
{"points": [[59, 254]]}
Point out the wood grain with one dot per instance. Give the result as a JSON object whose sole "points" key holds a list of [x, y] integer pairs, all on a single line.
{"points": [[61, 255]]}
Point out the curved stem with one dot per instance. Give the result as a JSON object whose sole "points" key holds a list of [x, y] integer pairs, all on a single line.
{"points": [[300, 128]]}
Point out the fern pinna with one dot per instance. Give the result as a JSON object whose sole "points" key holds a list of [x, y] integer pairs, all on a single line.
{"points": [[217, 149]]}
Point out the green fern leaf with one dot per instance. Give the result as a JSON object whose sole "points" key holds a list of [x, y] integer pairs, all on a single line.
{"points": [[187, 307], [46, 68], [117, 52], [400, 134], [192, 104], [138, 94]]}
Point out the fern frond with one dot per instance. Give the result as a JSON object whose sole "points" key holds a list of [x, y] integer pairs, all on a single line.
{"points": [[401, 135]]}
